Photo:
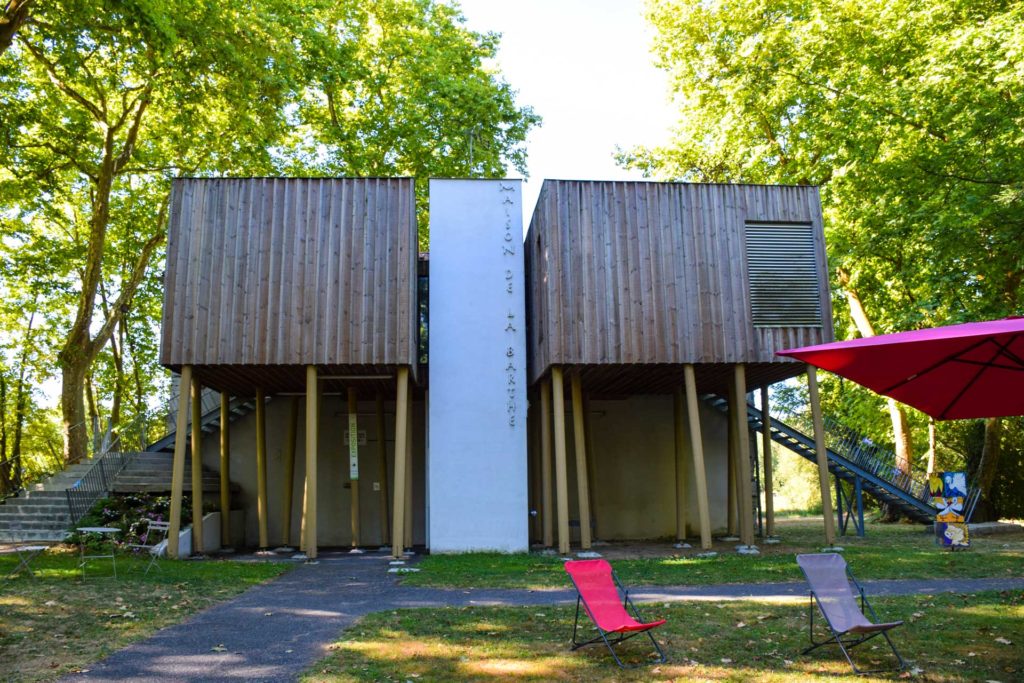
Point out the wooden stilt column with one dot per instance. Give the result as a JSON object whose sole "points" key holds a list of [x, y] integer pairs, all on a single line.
{"points": [[766, 454], [561, 472], [288, 483], [261, 467], [744, 487], [302, 517], [679, 420], [822, 457], [178, 466], [225, 470], [547, 509], [408, 478], [579, 439], [312, 443], [197, 468], [697, 448], [730, 469], [353, 462], [382, 454], [588, 441], [401, 438]]}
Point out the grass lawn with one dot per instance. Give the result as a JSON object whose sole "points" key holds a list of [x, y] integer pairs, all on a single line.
{"points": [[945, 638], [887, 551], [58, 623]]}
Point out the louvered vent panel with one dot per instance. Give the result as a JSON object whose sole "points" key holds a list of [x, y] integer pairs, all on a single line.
{"points": [[783, 272]]}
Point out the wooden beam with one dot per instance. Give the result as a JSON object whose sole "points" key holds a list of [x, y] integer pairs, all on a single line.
{"points": [[591, 467], [744, 487], [681, 448], [197, 467], [261, 467], [547, 509], [697, 448], [822, 456], [225, 470], [312, 443], [302, 517], [382, 454], [288, 483], [766, 454], [353, 462], [730, 467], [561, 472], [407, 528], [178, 466], [401, 437], [579, 439]]}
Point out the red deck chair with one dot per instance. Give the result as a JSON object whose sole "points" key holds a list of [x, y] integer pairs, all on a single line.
{"points": [[830, 580], [606, 601]]}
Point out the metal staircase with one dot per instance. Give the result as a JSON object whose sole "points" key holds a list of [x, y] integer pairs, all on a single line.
{"points": [[210, 421], [853, 459]]}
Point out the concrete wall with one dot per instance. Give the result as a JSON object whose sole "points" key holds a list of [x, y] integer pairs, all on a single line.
{"points": [[334, 502], [477, 470], [633, 463]]}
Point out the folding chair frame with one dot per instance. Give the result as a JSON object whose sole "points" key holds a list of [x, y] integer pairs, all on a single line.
{"points": [[151, 548], [26, 553], [851, 642], [623, 636]]}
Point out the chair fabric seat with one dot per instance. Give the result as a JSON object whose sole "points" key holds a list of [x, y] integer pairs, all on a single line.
{"points": [[593, 579]]}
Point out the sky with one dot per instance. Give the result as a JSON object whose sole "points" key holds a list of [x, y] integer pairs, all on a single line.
{"points": [[585, 66]]}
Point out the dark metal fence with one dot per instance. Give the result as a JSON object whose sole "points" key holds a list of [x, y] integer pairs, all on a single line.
{"points": [[114, 453], [95, 483]]}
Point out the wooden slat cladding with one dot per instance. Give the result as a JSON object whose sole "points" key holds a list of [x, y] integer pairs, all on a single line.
{"points": [[627, 273], [287, 271]]}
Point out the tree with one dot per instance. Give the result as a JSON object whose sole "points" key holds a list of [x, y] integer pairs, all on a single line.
{"points": [[408, 93], [103, 101], [907, 114], [11, 19]]}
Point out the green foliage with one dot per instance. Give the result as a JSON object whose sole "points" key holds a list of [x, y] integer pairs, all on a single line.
{"points": [[908, 116], [887, 551], [102, 102], [947, 637], [128, 513]]}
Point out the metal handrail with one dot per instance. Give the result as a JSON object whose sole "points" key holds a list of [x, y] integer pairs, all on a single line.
{"points": [[860, 450], [94, 484], [116, 452]]}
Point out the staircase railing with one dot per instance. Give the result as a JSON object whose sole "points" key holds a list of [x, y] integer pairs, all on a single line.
{"points": [[116, 451], [84, 493], [860, 450]]}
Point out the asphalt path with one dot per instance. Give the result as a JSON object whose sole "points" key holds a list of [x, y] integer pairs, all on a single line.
{"points": [[275, 631]]}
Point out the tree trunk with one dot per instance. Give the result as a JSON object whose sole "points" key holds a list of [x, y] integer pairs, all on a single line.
{"points": [[987, 469], [900, 427], [5, 464], [11, 19], [73, 367]]}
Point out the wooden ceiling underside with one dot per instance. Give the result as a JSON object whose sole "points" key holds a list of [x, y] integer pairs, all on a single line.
{"points": [[621, 380], [245, 380]]}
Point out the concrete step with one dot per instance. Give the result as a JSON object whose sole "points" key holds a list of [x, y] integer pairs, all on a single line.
{"points": [[45, 495], [41, 537], [158, 487], [17, 527], [6, 517], [26, 508]]}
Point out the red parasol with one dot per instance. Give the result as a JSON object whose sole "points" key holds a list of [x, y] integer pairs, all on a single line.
{"points": [[959, 371]]}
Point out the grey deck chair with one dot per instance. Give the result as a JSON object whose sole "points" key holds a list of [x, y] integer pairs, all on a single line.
{"points": [[155, 543], [830, 581]]}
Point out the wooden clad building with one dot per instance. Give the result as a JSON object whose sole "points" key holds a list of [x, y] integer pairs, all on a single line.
{"points": [[647, 296], [280, 273], [290, 291], [630, 278]]}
